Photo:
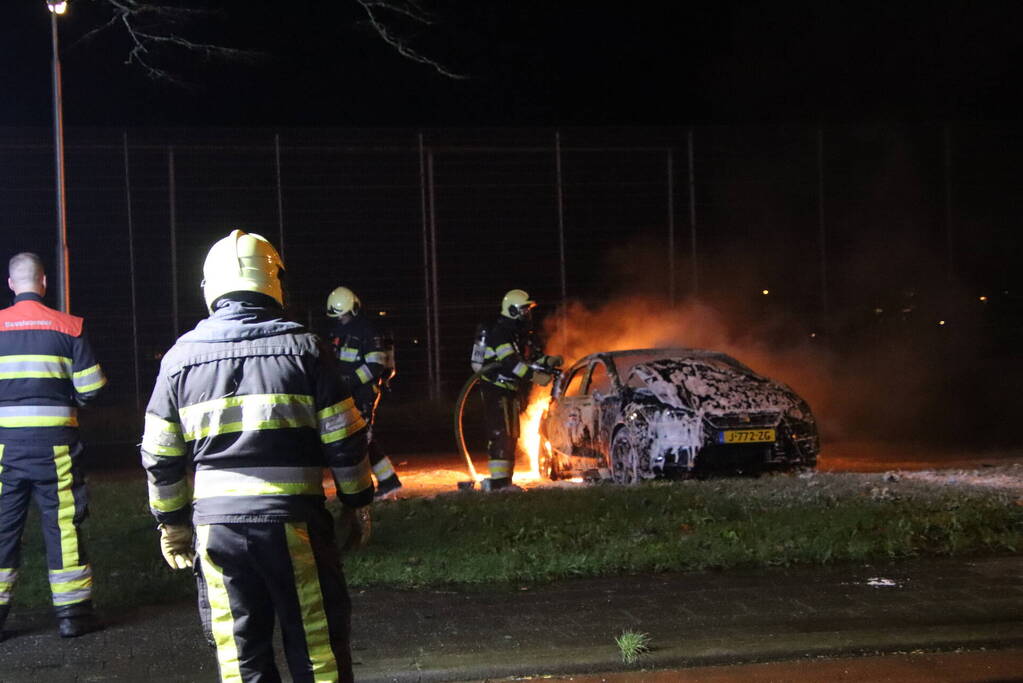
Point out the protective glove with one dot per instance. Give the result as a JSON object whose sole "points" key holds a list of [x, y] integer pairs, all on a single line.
{"points": [[176, 545], [353, 527], [541, 378], [553, 361]]}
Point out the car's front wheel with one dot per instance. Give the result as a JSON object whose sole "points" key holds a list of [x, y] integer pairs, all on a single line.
{"points": [[549, 466], [624, 458]]}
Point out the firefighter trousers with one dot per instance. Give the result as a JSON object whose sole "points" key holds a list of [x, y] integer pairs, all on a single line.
{"points": [[501, 415], [255, 573], [51, 477], [367, 398]]}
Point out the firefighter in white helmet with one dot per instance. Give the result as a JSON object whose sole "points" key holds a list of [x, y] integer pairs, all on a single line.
{"points": [[255, 402], [367, 361], [509, 343]]}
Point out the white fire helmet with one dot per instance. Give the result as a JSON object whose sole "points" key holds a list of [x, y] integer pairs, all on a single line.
{"points": [[516, 304], [242, 262], [341, 301]]}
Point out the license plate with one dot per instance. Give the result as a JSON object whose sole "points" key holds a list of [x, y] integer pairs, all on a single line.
{"points": [[747, 436]]}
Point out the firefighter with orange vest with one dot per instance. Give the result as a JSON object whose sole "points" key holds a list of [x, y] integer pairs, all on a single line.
{"points": [[256, 404], [509, 350], [367, 361], [47, 370]]}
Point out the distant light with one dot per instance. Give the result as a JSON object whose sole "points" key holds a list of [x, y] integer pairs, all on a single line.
{"points": [[765, 292], [878, 311], [941, 322], [382, 313], [415, 341], [57, 7], [813, 335], [982, 298]]}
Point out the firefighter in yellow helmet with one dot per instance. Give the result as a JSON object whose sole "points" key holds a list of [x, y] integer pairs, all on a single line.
{"points": [[255, 402], [367, 363], [508, 343]]}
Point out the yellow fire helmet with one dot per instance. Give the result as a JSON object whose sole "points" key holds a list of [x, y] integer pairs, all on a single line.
{"points": [[341, 301], [242, 262], [516, 304]]}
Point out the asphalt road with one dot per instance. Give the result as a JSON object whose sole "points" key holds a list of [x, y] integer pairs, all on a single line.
{"points": [[1001, 666]]}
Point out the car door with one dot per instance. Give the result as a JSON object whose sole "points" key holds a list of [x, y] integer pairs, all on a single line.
{"points": [[563, 416], [584, 413]]}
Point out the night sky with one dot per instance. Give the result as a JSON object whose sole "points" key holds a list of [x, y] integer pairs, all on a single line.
{"points": [[534, 62]]}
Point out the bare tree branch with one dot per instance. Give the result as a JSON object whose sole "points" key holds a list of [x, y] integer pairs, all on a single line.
{"points": [[410, 10], [149, 26]]}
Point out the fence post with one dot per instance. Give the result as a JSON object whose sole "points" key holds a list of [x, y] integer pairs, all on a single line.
{"points": [[173, 238], [280, 195], [131, 275], [671, 230], [823, 235], [433, 274], [430, 380], [692, 216], [949, 240], [562, 330]]}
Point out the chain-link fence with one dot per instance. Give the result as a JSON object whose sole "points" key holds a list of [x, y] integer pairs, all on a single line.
{"points": [[431, 227]]}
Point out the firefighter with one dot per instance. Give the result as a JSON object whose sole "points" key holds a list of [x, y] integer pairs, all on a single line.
{"points": [[256, 402], [367, 360], [508, 341], [47, 370]]}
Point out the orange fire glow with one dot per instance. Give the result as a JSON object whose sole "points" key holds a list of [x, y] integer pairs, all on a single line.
{"points": [[529, 432]]}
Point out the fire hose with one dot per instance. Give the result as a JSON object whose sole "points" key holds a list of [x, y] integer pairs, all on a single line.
{"points": [[463, 395], [459, 412]]}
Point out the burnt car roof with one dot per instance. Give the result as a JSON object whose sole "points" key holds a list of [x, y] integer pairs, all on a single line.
{"points": [[660, 353]]}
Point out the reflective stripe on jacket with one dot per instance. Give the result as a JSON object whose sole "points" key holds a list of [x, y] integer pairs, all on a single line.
{"points": [[47, 368], [364, 354], [258, 403], [504, 345]]}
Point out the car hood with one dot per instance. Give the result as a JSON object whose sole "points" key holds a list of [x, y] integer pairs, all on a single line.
{"points": [[715, 388]]}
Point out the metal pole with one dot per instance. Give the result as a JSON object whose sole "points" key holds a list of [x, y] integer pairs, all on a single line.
{"points": [[430, 379], [823, 235], [692, 216], [949, 241], [63, 267], [131, 275], [173, 239], [561, 230], [280, 196], [671, 230], [433, 273]]}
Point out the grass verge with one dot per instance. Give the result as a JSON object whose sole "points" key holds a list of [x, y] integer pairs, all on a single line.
{"points": [[542, 535], [547, 534]]}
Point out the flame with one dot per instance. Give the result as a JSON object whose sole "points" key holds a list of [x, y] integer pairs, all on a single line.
{"points": [[529, 432]]}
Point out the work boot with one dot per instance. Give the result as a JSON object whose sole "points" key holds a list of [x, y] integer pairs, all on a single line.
{"points": [[76, 620], [72, 627], [386, 487], [502, 484], [4, 611]]}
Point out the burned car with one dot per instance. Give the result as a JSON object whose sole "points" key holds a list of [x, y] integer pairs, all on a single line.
{"points": [[633, 415]]}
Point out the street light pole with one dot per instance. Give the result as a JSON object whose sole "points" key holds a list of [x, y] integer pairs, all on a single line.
{"points": [[58, 7]]}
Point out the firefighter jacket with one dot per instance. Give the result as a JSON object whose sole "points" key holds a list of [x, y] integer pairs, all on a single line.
{"points": [[47, 370], [366, 357], [506, 340], [258, 404]]}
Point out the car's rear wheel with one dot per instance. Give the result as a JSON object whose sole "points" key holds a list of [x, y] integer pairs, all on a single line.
{"points": [[624, 458]]}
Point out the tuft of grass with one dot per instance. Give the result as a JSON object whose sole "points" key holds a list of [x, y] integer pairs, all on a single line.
{"points": [[477, 540], [632, 645]]}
